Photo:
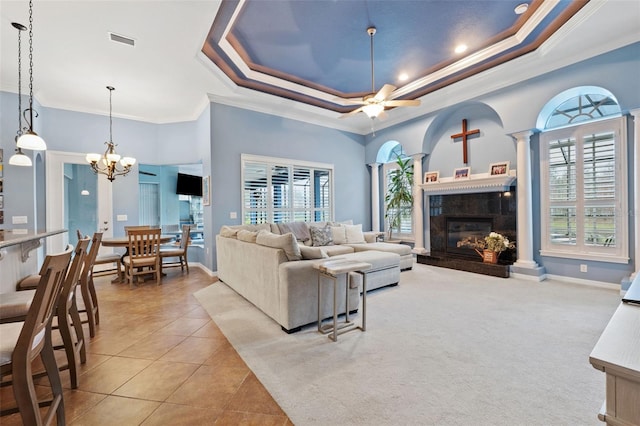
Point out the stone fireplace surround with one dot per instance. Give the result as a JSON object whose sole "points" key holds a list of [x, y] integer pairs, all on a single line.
{"points": [[452, 216]]}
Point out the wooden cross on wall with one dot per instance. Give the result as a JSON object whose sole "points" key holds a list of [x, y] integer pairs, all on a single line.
{"points": [[464, 135]]}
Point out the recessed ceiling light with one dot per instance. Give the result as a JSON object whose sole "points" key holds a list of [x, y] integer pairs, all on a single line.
{"points": [[403, 76], [521, 8], [461, 48]]}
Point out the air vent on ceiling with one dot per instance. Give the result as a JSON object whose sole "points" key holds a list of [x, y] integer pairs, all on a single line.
{"points": [[122, 39]]}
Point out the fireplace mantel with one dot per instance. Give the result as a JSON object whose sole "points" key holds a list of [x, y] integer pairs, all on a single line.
{"points": [[480, 182]]}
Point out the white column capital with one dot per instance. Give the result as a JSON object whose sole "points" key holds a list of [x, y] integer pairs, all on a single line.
{"points": [[418, 156], [635, 113], [521, 135], [374, 165]]}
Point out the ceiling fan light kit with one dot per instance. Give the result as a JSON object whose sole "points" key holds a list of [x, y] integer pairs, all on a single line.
{"points": [[373, 104]]}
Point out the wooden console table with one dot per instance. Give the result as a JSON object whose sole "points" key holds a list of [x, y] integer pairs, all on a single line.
{"points": [[617, 354]]}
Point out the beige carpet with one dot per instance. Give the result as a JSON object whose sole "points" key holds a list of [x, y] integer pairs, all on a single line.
{"points": [[442, 348]]}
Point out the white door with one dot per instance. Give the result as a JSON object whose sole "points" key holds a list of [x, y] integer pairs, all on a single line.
{"points": [[58, 213]]}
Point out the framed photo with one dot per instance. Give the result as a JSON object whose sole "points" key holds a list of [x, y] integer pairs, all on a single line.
{"points": [[1, 155], [206, 190], [1, 201], [499, 169], [431, 177], [462, 173]]}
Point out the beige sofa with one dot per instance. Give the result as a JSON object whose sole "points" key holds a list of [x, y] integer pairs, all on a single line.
{"points": [[271, 277]]}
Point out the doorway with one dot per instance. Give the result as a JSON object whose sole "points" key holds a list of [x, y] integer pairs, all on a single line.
{"points": [[60, 200]]}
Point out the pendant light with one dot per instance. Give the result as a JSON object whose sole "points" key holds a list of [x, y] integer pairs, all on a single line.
{"points": [[30, 139], [107, 163], [19, 159]]}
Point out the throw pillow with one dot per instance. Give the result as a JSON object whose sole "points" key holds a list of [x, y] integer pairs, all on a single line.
{"points": [[354, 234], [299, 229], [321, 236], [338, 234], [228, 232], [286, 242], [313, 253], [248, 236]]}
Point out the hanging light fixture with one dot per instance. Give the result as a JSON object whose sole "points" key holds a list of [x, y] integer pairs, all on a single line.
{"points": [[107, 163], [30, 139], [19, 159]]}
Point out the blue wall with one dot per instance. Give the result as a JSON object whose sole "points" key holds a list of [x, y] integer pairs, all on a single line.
{"points": [[236, 131]]}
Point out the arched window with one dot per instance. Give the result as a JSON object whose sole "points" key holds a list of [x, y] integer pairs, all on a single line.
{"points": [[403, 227], [583, 177]]}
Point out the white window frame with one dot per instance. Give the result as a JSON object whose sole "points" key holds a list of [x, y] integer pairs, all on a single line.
{"points": [[291, 164], [386, 168], [619, 253]]}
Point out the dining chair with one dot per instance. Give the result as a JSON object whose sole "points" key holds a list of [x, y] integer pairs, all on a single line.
{"points": [[135, 227], [14, 307], [22, 342], [180, 252], [143, 252], [88, 303]]}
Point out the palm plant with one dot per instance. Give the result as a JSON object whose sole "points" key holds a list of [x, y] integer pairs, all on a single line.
{"points": [[399, 198]]}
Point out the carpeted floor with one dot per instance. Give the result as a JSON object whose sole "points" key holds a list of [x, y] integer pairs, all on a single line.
{"points": [[443, 348]]}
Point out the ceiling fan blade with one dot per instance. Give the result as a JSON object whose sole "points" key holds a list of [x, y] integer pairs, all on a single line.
{"points": [[350, 113], [400, 103], [384, 93]]}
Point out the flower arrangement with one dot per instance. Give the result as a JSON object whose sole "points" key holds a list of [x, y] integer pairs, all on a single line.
{"points": [[494, 242]]}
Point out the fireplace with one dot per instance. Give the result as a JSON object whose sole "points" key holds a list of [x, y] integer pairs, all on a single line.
{"points": [[454, 217], [459, 228]]}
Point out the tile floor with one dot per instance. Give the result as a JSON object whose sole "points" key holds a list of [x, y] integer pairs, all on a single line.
{"points": [[158, 359]]}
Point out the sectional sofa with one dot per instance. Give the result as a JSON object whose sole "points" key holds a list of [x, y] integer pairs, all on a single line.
{"points": [[271, 265]]}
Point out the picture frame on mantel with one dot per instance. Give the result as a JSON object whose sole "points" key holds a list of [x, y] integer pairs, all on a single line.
{"points": [[432, 177], [206, 191], [499, 169], [462, 173]]}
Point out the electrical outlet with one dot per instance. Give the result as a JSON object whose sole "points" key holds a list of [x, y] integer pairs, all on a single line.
{"points": [[121, 218], [18, 220], [233, 215], [583, 268]]}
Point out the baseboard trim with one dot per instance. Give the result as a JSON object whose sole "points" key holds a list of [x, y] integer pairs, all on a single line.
{"points": [[582, 281]]}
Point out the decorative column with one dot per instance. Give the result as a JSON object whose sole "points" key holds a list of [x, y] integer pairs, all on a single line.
{"points": [[636, 190], [418, 212], [375, 197], [525, 220]]}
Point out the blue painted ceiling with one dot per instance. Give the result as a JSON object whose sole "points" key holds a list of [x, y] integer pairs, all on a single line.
{"points": [[318, 51]]}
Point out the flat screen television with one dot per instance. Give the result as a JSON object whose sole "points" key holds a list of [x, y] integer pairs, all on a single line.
{"points": [[189, 185]]}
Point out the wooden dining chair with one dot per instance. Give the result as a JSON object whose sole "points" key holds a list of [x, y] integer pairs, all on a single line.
{"points": [[88, 303], [180, 252], [143, 254], [135, 227], [14, 307], [22, 342]]}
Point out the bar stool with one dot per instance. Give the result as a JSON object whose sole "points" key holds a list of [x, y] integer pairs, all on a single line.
{"points": [[22, 342], [14, 307]]}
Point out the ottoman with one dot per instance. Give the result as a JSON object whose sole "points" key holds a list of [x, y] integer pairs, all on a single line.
{"points": [[404, 251], [385, 268]]}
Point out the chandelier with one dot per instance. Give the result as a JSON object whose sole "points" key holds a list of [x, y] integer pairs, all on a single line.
{"points": [[19, 158], [110, 163], [30, 139]]}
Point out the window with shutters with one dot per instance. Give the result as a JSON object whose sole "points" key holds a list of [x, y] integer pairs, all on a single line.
{"points": [[282, 190], [584, 207]]}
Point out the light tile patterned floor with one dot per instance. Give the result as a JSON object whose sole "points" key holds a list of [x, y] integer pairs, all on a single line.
{"points": [[158, 359]]}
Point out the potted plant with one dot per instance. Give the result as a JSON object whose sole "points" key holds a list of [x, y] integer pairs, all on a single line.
{"points": [[491, 245], [399, 198]]}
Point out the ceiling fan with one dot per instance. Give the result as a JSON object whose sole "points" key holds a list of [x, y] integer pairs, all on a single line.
{"points": [[373, 104]]}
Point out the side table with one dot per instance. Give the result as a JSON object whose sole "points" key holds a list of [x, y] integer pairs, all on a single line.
{"points": [[333, 269]]}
